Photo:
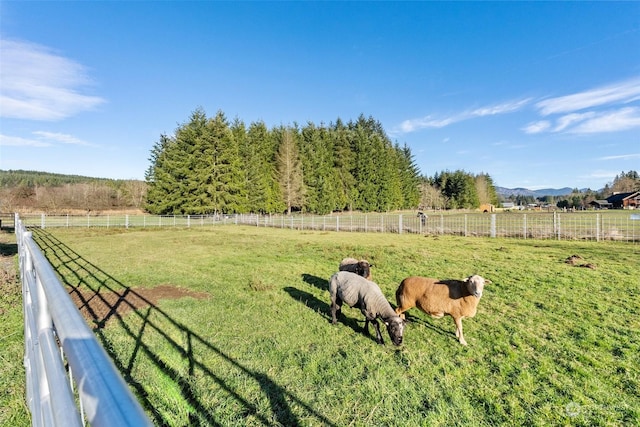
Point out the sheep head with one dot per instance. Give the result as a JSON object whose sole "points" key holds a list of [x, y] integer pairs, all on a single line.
{"points": [[363, 268], [475, 285], [395, 327]]}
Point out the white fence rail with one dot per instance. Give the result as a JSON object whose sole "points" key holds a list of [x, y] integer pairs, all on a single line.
{"points": [[604, 225], [55, 332]]}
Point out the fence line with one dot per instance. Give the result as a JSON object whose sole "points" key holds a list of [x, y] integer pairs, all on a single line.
{"points": [[55, 331], [603, 225]]}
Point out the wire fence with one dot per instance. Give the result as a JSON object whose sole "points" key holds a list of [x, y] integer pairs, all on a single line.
{"points": [[593, 225]]}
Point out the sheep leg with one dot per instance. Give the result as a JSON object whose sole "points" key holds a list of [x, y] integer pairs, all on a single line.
{"points": [[459, 335], [336, 309], [376, 324]]}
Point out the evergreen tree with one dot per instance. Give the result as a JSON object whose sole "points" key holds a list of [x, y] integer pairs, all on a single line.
{"points": [[158, 177], [289, 167], [365, 173], [390, 195], [460, 190], [171, 185], [198, 171], [344, 165], [222, 172], [319, 178], [258, 153], [410, 178]]}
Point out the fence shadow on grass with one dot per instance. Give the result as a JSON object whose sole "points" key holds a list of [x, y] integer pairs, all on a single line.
{"points": [[153, 320]]}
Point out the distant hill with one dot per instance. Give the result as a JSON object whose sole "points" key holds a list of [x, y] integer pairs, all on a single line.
{"points": [[507, 192], [16, 178]]}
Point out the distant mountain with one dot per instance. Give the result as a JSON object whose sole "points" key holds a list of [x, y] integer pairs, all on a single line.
{"points": [[506, 192]]}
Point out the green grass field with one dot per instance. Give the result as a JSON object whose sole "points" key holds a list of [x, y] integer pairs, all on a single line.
{"points": [[552, 343]]}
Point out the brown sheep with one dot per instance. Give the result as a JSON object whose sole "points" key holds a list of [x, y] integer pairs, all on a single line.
{"points": [[457, 298]]}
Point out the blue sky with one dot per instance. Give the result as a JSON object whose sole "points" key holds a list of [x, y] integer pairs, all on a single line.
{"points": [[536, 94]]}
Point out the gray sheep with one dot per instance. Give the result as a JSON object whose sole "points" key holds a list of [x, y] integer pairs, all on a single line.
{"points": [[361, 293], [360, 267]]}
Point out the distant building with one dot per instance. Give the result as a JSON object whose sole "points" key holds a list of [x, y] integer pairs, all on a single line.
{"points": [[511, 205], [625, 200], [487, 207], [601, 204]]}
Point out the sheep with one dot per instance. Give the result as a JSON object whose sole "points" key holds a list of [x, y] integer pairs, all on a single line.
{"points": [[358, 292], [361, 267], [457, 298]]}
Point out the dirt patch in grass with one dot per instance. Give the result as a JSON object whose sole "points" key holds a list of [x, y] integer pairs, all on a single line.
{"points": [[101, 306], [575, 260]]}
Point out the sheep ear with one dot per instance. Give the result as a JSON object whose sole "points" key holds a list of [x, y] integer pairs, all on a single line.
{"points": [[487, 281]]}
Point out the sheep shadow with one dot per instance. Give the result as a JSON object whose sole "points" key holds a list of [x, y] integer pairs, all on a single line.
{"points": [[324, 308], [319, 282], [137, 326], [422, 322], [310, 301]]}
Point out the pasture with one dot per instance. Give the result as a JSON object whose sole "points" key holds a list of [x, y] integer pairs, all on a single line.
{"points": [[249, 342]]}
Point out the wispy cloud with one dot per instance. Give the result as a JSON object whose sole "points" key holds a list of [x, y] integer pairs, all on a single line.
{"points": [[621, 157], [582, 113], [621, 92], [413, 125], [610, 121], [537, 127], [60, 137], [16, 141], [38, 84], [41, 139]]}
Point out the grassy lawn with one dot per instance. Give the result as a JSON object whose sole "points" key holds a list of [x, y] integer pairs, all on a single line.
{"points": [[552, 343]]}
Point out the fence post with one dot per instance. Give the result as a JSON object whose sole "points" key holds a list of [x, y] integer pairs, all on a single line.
{"points": [[42, 221], [597, 227], [441, 224], [493, 225], [465, 225], [337, 223], [524, 226], [400, 224]]}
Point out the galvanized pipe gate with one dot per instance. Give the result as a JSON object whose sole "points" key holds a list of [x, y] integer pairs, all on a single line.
{"points": [[55, 332]]}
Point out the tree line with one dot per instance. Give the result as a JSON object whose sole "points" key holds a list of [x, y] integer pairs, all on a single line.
{"points": [[211, 165]]}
